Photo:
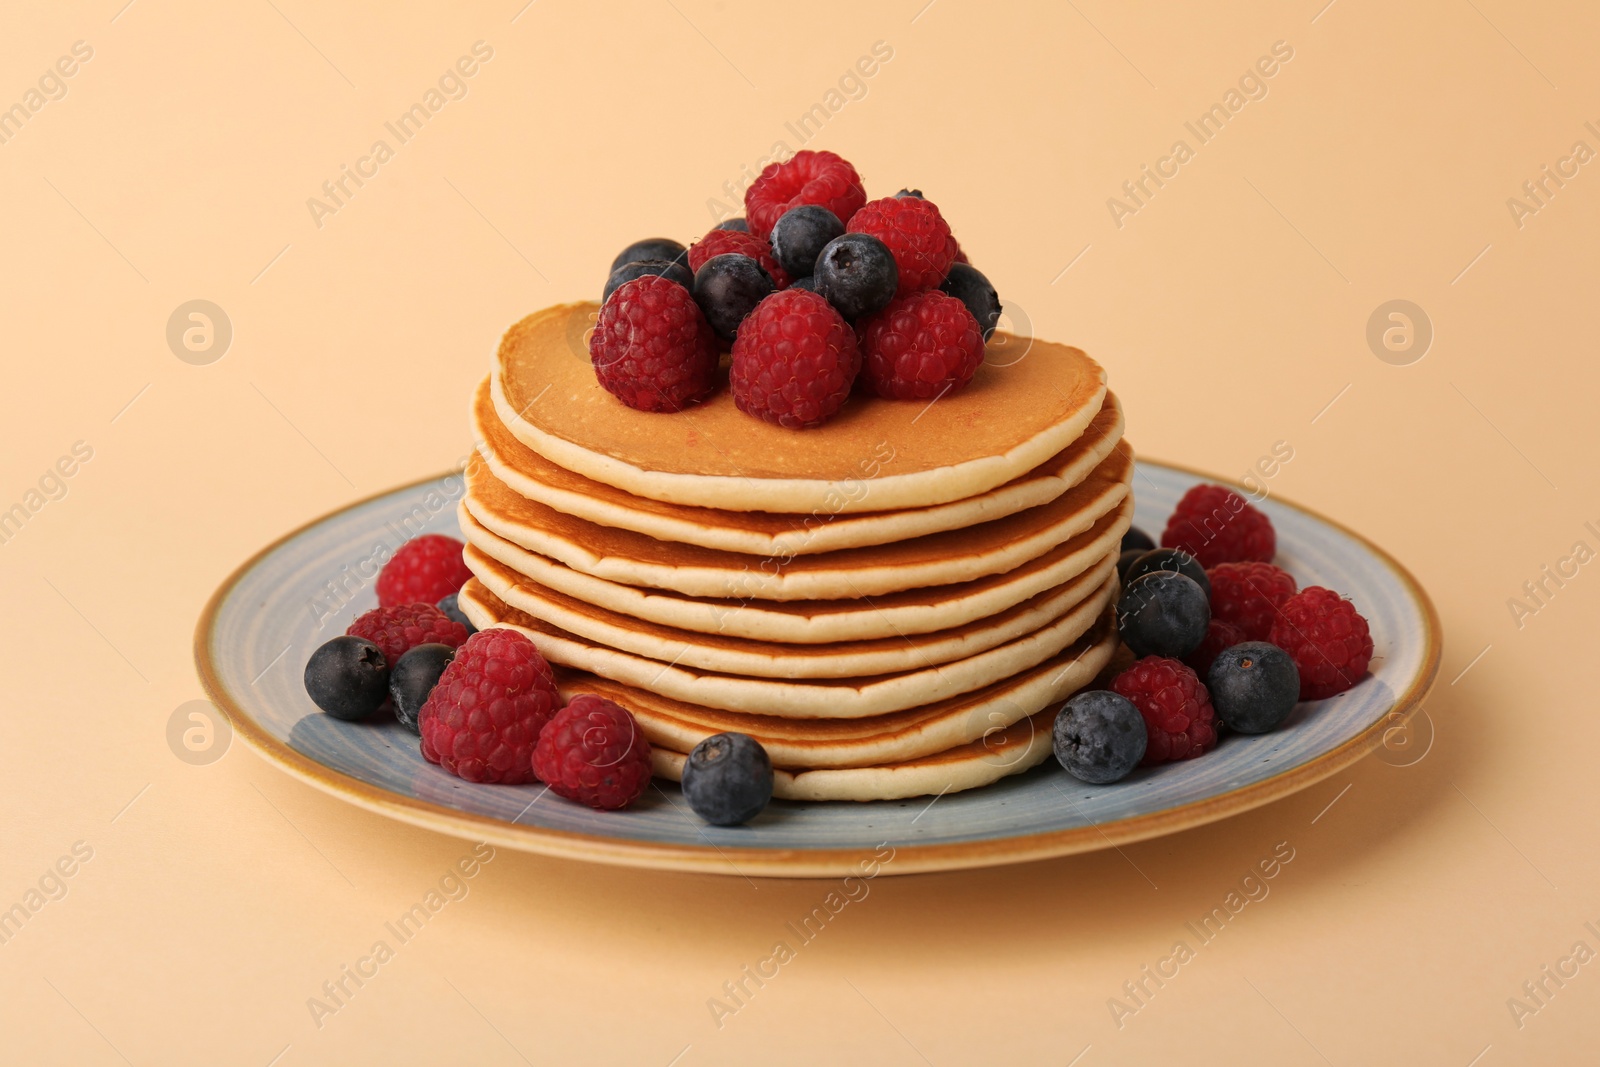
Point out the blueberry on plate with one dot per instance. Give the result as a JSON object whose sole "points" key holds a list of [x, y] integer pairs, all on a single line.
{"points": [[1099, 736], [808, 283], [347, 677], [1126, 560], [967, 284], [1253, 686], [451, 607], [1163, 613], [857, 274], [651, 248], [800, 235], [734, 224], [676, 270], [1137, 538], [1172, 560], [727, 779], [914, 193], [727, 288], [414, 677]]}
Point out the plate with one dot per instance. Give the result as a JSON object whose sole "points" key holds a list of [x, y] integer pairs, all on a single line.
{"points": [[266, 619]]}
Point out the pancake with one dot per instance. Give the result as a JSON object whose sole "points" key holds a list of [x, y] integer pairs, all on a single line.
{"points": [[806, 699], [935, 559], [1020, 747], [1017, 412], [777, 534], [903, 735], [770, 659], [914, 611]]}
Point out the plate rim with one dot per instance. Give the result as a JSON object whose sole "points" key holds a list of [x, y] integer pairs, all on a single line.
{"points": [[909, 858]]}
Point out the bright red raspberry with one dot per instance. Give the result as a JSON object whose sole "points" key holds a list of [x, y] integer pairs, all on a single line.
{"points": [[652, 348], [735, 242], [483, 718], [916, 234], [1220, 636], [424, 571], [920, 346], [399, 628], [593, 752], [1249, 595], [820, 178], [1329, 640], [1178, 720], [794, 360], [1216, 525]]}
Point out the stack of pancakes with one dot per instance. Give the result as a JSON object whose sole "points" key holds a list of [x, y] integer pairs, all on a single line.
{"points": [[893, 604]]}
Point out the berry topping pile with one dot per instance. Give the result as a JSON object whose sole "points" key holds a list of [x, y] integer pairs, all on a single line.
{"points": [[888, 271]]}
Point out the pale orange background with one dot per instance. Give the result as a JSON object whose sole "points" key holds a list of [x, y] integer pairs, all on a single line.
{"points": [[1230, 311]]}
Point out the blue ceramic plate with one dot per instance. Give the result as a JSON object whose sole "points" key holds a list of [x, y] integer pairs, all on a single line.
{"points": [[265, 620]]}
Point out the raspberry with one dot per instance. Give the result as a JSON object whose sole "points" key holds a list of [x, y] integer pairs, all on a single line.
{"points": [[652, 347], [1178, 720], [956, 254], [733, 242], [1219, 637], [917, 235], [483, 718], [1329, 640], [594, 753], [794, 360], [399, 628], [1216, 525], [1248, 595], [921, 346], [425, 570], [821, 178]]}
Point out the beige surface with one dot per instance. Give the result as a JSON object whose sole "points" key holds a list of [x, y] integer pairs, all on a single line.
{"points": [[225, 895]]}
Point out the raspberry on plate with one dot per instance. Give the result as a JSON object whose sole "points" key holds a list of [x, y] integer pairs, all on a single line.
{"points": [[593, 752], [424, 571], [1329, 640], [1248, 595], [733, 242], [1216, 525], [652, 347], [921, 346], [483, 717], [917, 235], [399, 628], [794, 360], [1178, 717], [821, 178]]}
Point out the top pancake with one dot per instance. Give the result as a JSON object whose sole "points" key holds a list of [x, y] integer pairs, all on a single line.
{"points": [[875, 455]]}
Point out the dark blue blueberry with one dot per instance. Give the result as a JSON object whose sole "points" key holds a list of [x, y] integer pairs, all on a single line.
{"points": [[1253, 686], [1125, 561], [727, 287], [348, 678], [1163, 613], [913, 193], [651, 248], [1173, 560], [727, 779], [676, 270], [808, 283], [800, 235], [1099, 736], [967, 284], [734, 224], [448, 604], [857, 274], [1137, 538], [414, 677]]}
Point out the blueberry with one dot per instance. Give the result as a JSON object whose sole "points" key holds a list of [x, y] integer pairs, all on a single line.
{"points": [[1173, 560], [414, 677], [857, 274], [727, 779], [676, 270], [1253, 686], [452, 609], [1099, 736], [1163, 613], [727, 287], [915, 194], [734, 224], [651, 248], [348, 678], [967, 284], [800, 235], [808, 283], [1137, 538], [1125, 561]]}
